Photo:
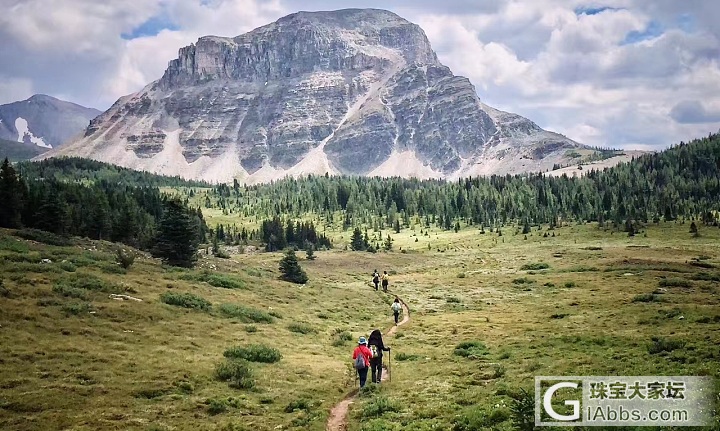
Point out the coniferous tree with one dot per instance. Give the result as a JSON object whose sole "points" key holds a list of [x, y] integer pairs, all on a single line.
{"points": [[10, 196], [310, 252], [290, 268], [176, 242], [357, 243]]}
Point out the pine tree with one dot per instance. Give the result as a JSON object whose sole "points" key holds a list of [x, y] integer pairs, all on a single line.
{"points": [[310, 251], [10, 196], [357, 243], [291, 270], [176, 242], [694, 230], [388, 243]]}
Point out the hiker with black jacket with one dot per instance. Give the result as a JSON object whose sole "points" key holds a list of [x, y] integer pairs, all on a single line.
{"points": [[377, 347], [376, 279]]}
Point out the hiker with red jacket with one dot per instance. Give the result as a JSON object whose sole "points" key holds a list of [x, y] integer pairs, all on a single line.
{"points": [[361, 357], [376, 347]]}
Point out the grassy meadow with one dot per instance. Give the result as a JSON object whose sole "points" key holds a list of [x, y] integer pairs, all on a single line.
{"points": [[488, 313]]}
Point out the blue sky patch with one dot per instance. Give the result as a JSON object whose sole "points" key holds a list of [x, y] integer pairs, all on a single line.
{"points": [[653, 30], [151, 27], [593, 10]]}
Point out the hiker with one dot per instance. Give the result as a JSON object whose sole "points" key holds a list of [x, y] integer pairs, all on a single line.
{"points": [[361, 356], [396, 308], [385, 279], [376, 279], [376, 345]]}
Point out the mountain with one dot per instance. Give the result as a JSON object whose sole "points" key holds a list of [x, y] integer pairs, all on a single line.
{"points": [[43, 121], [16, 151], [355, 91]]}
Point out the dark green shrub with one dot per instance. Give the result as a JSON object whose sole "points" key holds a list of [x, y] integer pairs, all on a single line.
{"points": [[45, 237], [479, 419], [569, 284], [76, 308], [706, 276], [302, 328], [88, 282], [406, 357], [523, 280], [254, 353], [378, 406], [70, 292], [299, 404], [674, 282], [186, 300], [646, 297], [660, 345], [700, 264], [215, 407], [522, 411], [251, 329], [535, 266], [222, 280], [237, 373], [245, 314], [471, 349], [67, 266], [124, 258]]}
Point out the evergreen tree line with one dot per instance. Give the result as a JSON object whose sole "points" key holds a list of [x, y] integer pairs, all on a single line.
{"points": [[681, 182], [277, 235], [104, 210]]}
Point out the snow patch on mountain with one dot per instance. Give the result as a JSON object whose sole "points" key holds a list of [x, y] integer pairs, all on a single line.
{"points": [[21, 125]]}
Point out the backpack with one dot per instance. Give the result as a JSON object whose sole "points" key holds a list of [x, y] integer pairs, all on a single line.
{"points": [[396, 306], [360, 362], [376, 278], [374, 351]]}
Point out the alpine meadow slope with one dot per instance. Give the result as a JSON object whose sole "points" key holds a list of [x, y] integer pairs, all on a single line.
{"points": [[355, 91]]}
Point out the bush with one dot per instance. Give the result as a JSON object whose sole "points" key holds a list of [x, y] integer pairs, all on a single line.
{"points": [[646, 297], [523, 280], [245, 314], [674, 282], [461, 275], [186, 300], [569, 284], [302, 328], [215, 407], [251, 329], [299, 404], [254, 353], [660, 345], [471, 349], [700, 264], [534, 266], [70, 292], [124, 258], [76, 308], [222, 280], [237, 373], [379, 406], [45, 237], [706, 276], [87, 282], [478, 419], [67, 266], [341, 337], [522, 411], [405, 357]]}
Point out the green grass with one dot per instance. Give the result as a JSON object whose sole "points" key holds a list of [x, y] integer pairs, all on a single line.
{"points": [[75, 359]]}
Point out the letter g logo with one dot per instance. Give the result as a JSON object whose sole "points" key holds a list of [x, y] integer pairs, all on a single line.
{"points": [[547, 404]]}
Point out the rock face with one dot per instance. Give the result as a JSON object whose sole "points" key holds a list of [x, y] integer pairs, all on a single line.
{"points": [[43, 121], [346, 92]]}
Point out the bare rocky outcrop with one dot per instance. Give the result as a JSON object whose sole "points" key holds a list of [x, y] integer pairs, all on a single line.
{"points": [[356, 91]]}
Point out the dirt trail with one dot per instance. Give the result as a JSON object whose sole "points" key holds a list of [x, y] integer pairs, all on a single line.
{"points": [[337, 421]]}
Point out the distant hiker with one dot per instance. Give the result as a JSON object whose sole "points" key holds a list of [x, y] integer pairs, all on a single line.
{"points": [[385, 280], [376, 345], [361, 357], [396, 308], [376, 279]]}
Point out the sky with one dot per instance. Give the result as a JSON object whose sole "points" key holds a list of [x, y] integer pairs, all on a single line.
{"points": [[641, 74]]}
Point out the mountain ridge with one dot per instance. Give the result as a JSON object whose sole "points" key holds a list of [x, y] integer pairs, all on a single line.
{"points": [[355, 91]]}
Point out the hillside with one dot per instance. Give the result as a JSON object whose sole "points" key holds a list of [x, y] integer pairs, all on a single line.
{"points": [[16, 151]]}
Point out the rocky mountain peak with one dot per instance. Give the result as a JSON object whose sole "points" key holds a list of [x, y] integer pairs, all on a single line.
{"points": [[301, 43], [354, 91]]}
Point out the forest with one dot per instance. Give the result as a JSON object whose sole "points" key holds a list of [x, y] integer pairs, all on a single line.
{"points": [[73, 196], [680, 182]]}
